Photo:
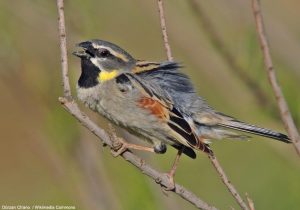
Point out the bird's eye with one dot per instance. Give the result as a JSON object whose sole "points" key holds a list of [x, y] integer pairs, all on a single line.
{"points": [[103, 53]]}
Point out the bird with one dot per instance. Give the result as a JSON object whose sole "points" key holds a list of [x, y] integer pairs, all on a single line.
{"points": [[155, 101]]}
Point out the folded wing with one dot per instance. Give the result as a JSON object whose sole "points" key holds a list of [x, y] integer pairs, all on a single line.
{"points": [[160, 105]]}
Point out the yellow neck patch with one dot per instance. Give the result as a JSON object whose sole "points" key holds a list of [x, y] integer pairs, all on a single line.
{"points": [[105, 76]]}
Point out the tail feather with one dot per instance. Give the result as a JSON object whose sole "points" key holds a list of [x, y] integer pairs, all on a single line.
{"points": [[241, 126]]}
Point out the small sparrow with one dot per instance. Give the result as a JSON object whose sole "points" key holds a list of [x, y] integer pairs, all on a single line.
{"points": [[155, 101]]}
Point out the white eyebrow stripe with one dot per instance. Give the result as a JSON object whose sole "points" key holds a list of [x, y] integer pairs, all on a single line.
{"points": [[116, 54]]}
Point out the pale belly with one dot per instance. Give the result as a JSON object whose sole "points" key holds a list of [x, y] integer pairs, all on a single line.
{"points": [[123, 111]]}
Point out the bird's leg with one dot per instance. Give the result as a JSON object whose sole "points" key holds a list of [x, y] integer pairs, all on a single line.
{"points": [[119, 145], [171, 173]]}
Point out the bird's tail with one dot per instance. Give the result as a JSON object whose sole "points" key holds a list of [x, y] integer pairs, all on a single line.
{"points": [[241, 126]]}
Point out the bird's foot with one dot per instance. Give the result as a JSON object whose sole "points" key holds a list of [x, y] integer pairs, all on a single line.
{"points": [[170, 175], [171, 184], [118, 147]]}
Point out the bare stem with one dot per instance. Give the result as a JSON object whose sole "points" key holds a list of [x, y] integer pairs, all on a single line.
{"points": [[72, 107], [164, 29], [213, 159], [250, 202], [63, 48], [281, 102], [216, 40], [227, 183]]}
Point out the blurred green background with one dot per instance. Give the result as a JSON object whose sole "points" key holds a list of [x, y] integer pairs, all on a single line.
{"points": [[47, 158]]}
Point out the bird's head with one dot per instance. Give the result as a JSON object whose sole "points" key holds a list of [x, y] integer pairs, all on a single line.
{"points": [[102, 61]]}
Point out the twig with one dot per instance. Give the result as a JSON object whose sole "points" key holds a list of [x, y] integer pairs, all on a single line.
{"points": [[214, 38], [250, 202], [281, 102], [164, 29], [212, 158], [227, 183], [72, 107], [63, 48]]}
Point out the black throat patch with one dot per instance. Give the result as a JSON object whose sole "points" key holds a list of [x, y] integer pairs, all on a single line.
{"points": [[89, 74]]}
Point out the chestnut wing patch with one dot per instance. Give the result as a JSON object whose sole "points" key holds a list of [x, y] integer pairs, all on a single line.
{"points": [[154, 107]]}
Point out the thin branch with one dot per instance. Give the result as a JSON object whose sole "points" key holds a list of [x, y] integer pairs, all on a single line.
{"points": [[214, 38], [212, 158], [72, 107], [281, 102], [63, 48], [227, 183], [250, 202], [164, 29]]}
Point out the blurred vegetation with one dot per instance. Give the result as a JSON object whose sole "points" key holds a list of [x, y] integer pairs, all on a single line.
{"points": [[46, 157]]}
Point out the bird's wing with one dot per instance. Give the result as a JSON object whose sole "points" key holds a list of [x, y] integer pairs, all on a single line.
{"points": [[160, 105], [212, 123], [167, 76]]}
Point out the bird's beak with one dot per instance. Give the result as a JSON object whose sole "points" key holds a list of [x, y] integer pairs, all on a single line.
{"points": [[82, 52]]}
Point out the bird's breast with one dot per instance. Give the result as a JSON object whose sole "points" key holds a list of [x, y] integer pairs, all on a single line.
{"points": [[89, 96]]}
